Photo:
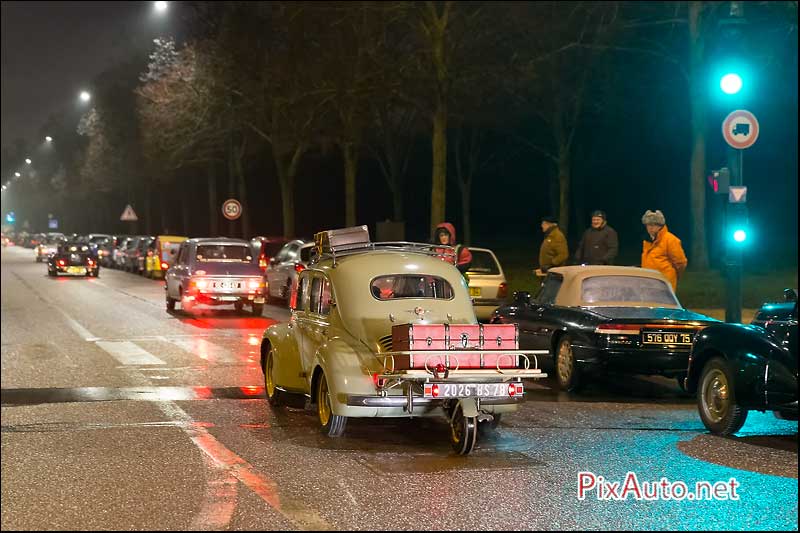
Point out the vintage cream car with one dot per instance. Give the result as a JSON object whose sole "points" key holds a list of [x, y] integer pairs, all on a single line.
{"points": [[337, 348]]}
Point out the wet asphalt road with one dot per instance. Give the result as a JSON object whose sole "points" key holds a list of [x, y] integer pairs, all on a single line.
{"points": [[118, 415]]}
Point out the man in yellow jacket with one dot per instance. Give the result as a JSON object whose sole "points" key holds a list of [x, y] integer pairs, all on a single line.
{"points": [[554, 251], [663, 252]]}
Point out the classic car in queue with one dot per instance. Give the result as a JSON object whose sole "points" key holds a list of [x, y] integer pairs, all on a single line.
{"points": [[388, 330], [215, 272], [735, 368], [593, 318], [73, 259]]}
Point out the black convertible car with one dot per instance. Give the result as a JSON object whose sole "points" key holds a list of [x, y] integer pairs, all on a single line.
{"points": [[73, 259], [597, 318], [735, 368]]}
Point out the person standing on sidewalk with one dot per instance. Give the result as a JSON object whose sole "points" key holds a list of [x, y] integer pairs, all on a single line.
{"points": [[599, 244], [554, 251], [663, 250]]}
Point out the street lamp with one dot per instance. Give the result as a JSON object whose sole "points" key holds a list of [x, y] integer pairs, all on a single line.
{"points": [[48, 139], [160, 7], [28, 160], [17, 174], [85, 96]]}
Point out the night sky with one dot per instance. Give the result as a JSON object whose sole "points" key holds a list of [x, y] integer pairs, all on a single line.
{"points": [[51, 50]]}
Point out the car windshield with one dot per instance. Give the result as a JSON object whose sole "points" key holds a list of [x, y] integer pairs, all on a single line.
{"points": [[483, 263], [230, 253], [630, 289], [411, 286]]}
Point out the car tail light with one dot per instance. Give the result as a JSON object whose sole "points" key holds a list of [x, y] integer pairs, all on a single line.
{"points": [[515, 389], [299, 267], [502, 291], [618, 329], [378, 381], [262, 262], [201, 284], [435, 390], [164, 266], [90, 262], [61, 262], [254, 284]]}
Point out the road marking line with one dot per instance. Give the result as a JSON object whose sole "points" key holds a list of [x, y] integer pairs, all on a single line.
{"points": [[204, 350], [128, 353], [77, 328]]}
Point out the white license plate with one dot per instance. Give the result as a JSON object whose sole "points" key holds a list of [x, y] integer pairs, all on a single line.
{"points": [[76, 270], [258, 301], [228, 298], [468, 390]]}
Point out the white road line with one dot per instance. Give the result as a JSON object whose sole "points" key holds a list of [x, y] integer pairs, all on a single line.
{"points": [[128, 353], [77, 328], [204, 350]]}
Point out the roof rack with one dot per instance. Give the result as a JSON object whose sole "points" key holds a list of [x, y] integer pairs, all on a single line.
{"points": [[333, 244]]}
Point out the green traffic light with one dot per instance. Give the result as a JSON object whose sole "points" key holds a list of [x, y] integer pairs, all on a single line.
{"points": [[730, 83], [739, 235]]}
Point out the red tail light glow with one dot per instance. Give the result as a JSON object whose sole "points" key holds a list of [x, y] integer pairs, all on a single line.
{"points": [[299, 267], [90, 262], [435, 390], [618, 329], [262, 262], [502, 291], [164, 266], [252, 284], [61, 262]]}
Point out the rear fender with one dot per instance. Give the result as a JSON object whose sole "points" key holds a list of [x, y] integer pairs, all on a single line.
{"points": [[287, 367], [348, 370]]}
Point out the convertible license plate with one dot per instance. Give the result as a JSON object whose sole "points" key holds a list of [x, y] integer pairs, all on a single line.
{"points": [[475, 292], [76, 270], [668, 337], [467, 390]]}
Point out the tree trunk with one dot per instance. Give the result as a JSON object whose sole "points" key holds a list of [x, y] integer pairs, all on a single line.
{"points": [[231, 183], [466, 201], [564, 178], [287, 170], [697, 100], [213, 214], [350, 153], [186, 213], [162, 206], [245, 217], [439, 177]]}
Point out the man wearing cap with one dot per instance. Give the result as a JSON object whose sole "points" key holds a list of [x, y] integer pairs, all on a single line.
{"points": [[599, 244], [553, 251], [663, 250]]}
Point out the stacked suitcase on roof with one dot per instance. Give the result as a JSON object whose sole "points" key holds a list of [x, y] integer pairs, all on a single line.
{"points": [[467, 345]]}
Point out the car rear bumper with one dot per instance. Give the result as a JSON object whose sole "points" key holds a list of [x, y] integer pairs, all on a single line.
{"points": [[663, 362], [226, 298]]}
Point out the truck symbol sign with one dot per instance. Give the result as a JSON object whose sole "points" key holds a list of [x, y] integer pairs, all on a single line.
{"points": [[741, 128]]}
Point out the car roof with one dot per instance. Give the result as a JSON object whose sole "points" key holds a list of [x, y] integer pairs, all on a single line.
{"points": [[570, 293], [218, 240]]}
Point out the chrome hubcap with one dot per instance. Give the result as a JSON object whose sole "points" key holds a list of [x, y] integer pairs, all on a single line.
{"points": [[716, 395], [324, 402]]}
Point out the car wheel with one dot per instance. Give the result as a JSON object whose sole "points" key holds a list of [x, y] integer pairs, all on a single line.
{"points": [[274, 395], [239, 306], [463, 431], [51, 273], [716, 399], [567, 370], [170, 303], [331, 425], [258, 309]]}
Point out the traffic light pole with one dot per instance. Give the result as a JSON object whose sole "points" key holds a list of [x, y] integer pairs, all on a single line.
{"points": [[733, 300]]}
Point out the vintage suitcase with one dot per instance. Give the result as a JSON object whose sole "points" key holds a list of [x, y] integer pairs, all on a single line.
{"points": [[464, 337], [500, 337], [421, 337], [334, 240]]}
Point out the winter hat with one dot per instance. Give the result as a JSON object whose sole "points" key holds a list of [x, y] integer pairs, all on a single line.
{"points": [[654, 217], [599, 213], [550, 219]]}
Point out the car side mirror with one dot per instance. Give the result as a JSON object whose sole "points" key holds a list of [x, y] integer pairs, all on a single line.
{"points": [[522, 298], [789, 295]]}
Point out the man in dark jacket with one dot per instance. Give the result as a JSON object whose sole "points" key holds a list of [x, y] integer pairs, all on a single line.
{"points": [[599, 244]]}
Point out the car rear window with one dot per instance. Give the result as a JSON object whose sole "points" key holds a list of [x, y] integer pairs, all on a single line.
{"points": [[169, 250], [236, 253], [305, 254], [632, 289], [411, 286], [483, 263]]}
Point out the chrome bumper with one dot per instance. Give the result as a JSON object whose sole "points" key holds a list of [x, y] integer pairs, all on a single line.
{"points": [[402, 401]]}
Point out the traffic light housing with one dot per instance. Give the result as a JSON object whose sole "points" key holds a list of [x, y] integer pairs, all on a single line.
{"points": [[737, 224]]}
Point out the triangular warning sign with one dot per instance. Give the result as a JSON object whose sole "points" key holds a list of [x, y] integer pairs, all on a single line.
{"points": [[737, 195], [129, 214]]}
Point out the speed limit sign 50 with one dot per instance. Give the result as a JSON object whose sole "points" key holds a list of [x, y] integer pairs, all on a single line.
{"points": [[231, 209]]}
